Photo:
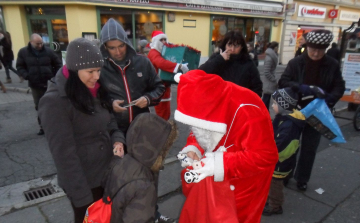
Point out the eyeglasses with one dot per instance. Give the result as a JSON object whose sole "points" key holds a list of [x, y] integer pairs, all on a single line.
{"points": [[163, 39], [233, 45]]}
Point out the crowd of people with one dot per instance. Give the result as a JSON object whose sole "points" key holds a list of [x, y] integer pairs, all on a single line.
{"points": [[94, 112]]}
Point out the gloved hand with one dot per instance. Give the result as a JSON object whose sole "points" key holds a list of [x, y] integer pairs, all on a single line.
{"points": [[317, 91], [184, 68], [208, 169], [184, 159], [305, 90]]}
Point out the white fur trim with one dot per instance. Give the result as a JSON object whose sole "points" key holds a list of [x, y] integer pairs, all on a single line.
{"points": [[177, 77], [176, 68], [219, 167], [232, 187], [200, 123], [192, 148]]}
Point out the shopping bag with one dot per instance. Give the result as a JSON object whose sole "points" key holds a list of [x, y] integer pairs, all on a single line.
{"points": [[179, 54], [99, 212], [319, 116]]}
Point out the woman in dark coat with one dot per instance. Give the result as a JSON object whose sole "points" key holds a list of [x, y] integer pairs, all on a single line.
{"points": [[81, 132], [8, 56], [234, 64]]}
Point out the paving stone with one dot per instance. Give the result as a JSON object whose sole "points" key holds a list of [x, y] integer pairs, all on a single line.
{"points": [[31, 214], [58, 210]]}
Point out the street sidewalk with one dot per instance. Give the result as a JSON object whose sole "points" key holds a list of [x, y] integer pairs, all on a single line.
{"points": [[336, 171]]}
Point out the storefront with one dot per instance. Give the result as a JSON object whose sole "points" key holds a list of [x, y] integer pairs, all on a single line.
{"points": [[308, 16], [198, 23]]}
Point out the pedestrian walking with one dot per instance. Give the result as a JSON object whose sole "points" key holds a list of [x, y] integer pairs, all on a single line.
{"points": [[130, 79], [317, 75], [334, 52], [130, 180], [37, 64], [288, 125], [269, 79], [158, 40], [80, 129], [8, 56], [143, 47], [302, 45], [253, 54], [234, 64]]}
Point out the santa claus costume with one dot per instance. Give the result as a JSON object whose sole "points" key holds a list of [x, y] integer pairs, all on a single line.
{"points": [[233, 134], [163, 109]]}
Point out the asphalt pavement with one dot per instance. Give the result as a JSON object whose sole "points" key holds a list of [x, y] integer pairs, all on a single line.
{"points": [[26, 164]]}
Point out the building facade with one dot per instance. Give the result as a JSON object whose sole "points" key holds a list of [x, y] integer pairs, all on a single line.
{"points": [[198, 23]]}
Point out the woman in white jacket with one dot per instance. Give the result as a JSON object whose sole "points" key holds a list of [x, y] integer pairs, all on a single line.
{"points": [[269, 79]]}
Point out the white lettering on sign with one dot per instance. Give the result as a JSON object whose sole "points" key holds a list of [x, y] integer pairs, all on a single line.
{"points": [[135, 1], [312, 12], [349, 16]]}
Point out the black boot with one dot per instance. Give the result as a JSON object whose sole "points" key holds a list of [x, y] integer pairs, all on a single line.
{"points": [[41, 132], [301, 186], [268, 211]]}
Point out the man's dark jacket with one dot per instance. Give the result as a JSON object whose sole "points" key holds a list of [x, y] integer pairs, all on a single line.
{"points": [[331, 79], [37, 68], [334, 52]]}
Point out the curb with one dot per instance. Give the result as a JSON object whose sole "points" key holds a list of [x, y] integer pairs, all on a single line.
{"points": [[18, 89]]}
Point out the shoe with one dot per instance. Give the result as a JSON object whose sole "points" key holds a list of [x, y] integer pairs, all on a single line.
{"points": [[41, 132], [163, 218], [268, 211], [8, 81], [301, 186]]}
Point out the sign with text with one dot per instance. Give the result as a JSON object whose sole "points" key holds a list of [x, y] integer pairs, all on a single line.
{"points": [[349, 16], [311, 12], [351, 72], [333, 13]]}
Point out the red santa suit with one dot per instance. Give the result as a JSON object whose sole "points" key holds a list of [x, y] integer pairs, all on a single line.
{"points": [[245, 153], [163, 108]]}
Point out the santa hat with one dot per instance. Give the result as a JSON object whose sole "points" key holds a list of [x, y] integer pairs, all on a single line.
{"points": [[155, 41], [319, 39], [199, 101]]}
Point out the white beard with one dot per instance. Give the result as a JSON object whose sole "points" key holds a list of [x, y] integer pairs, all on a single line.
{"points": [[207, 139]]}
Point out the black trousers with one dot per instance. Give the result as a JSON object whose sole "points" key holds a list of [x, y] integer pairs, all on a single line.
{"points": [[79, 212], [266, 98], [310, 140]]}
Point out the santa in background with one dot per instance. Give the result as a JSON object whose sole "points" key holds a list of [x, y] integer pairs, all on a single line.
{"points": [[156, 45], [232, 135]]}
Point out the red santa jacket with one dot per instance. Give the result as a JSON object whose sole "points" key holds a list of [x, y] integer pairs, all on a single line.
{"points": [[245, 156], [160, 63]]}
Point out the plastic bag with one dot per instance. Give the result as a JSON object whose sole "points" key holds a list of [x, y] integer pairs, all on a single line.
{"points": [[99, 212], [319, 116]]}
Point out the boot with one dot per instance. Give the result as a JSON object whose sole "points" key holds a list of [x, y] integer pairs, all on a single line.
{"points": [[268, 211], [8, 80], [41, 132], [3, 88]]}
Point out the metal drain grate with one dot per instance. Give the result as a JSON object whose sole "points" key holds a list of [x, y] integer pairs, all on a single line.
{"points": [[40, 192]]}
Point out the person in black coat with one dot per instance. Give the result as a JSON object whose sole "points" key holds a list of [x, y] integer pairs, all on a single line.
{"points": [[8, 56], [234, 64], [317, 75], [37, 64], [334, 52]]}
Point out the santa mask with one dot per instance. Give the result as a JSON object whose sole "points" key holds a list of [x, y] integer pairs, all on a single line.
{"points": [[208, 140]]}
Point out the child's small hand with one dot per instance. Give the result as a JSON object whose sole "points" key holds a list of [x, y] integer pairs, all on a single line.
{"points": [[118, 149]]}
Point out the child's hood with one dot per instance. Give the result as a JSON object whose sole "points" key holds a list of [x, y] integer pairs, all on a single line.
{"points": [[297, 117]]}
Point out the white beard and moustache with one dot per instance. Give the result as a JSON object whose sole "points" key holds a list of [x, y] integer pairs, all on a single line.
{"points": [[207, 139]]}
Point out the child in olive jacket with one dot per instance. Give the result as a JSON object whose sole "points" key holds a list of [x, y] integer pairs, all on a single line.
{"points": [[288, 125]]}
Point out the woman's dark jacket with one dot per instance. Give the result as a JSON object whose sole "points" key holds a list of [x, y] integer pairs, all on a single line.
{"points": [[241, 72], [37, 66], [130, 181], [287, 131], [8, 55], [80, 144], [331, 80]]}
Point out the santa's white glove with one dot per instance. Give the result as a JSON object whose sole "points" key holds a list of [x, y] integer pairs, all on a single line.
{"points": [[184, 159], [208, 169], [184, 68]]}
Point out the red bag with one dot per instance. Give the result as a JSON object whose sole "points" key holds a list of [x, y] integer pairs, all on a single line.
{"points": [[98, 212]]}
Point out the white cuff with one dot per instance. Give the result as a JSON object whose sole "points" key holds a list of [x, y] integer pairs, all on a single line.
{"points": [[219, 167], [192, 148], [176, 68]]}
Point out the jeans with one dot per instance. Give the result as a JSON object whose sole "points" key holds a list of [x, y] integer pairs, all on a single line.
{"points": [[9, 67], [266, 99], [37, 93], [310, 140]]}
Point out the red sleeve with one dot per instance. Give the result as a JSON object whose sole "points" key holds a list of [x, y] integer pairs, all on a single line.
{"points": [[258, 150], [160, 63]]}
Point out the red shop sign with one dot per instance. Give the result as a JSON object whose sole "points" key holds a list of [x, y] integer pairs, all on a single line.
{"points": [[333, 13]]}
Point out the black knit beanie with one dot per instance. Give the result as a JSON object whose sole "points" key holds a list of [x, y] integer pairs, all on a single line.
{"points": [[319, 39], [286, 98], [83, 54]]}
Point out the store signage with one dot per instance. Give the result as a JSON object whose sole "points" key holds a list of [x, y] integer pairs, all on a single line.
{"points": [[333, 13], [312, 12], [349, 16]]}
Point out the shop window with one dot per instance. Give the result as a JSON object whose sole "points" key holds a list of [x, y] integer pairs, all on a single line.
{"points": [[45, 10], [145, 23], [2, 23], [124, 17], [262, 30]]}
